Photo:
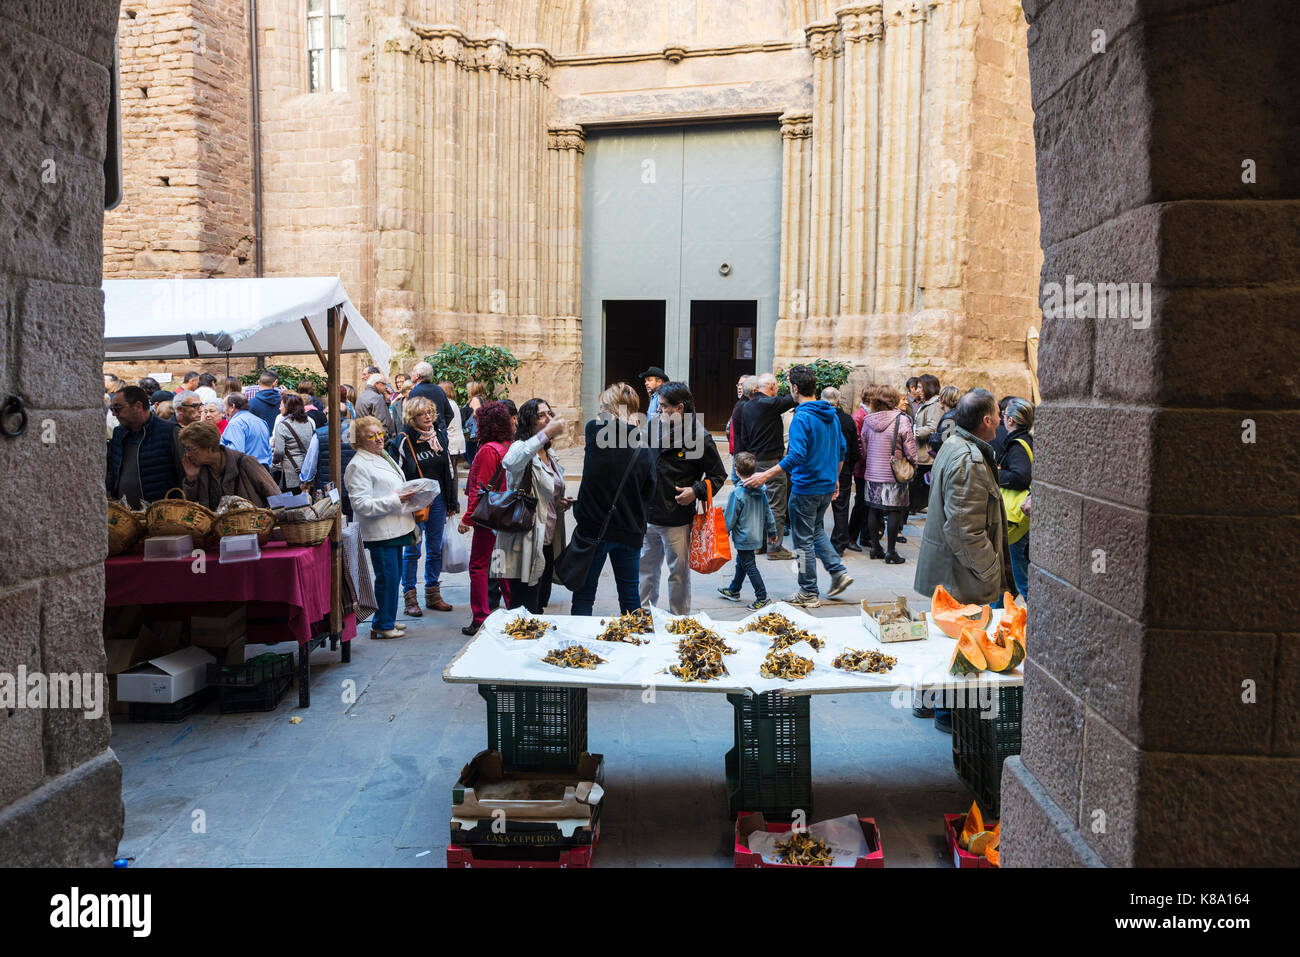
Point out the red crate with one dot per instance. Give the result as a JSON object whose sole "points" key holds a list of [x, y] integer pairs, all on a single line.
{"points": [[952, 825], [471, 857], [744, 857]]}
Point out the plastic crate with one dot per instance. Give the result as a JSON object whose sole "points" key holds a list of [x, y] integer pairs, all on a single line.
{"points": [[770, 767], [952, 825], [260, 697], [514, 857], [744, 857], [144, 711], [536, 728], [251, 673], [980, 744]]}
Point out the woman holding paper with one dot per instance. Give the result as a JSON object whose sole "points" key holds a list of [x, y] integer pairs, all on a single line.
{"points": [[374, 484]]}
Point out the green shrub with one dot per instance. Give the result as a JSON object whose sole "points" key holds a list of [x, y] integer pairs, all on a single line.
{"points": [[459, 363], [289, 376], [829, 374]]}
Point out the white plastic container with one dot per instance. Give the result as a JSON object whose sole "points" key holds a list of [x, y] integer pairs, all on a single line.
{"points": [[239, 548], [163, 548]]}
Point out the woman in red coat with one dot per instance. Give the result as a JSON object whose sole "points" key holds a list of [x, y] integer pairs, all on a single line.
{"points": [[494, 436]]}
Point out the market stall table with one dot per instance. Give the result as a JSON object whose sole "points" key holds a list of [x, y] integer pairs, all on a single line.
{"points": [[286, 592], [499, 663]]}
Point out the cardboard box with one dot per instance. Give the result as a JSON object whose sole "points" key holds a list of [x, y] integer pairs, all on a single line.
{"points": [[116, 705], [221, 635], [915, 629], [150, 641], [527, 808], [166, 679]]}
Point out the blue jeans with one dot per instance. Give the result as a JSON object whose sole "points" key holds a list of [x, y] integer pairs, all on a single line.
{"points": [[626, 562], [746, 564], [387, 562], [431, 532], [1020, 565], [808, 527]]}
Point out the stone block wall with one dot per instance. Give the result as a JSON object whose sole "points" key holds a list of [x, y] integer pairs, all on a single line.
{"points": [[1160, 696], [60, 788]]}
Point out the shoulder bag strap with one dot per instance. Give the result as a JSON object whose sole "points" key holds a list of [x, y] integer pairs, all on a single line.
{"points": [[604, 526]]}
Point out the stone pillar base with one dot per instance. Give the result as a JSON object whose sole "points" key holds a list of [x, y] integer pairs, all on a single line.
{"points": [[74, 820], [1036, 832]]}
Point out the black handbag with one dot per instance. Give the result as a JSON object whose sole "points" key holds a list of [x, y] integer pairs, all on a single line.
{"points": [[514, 510], [574, 564]]}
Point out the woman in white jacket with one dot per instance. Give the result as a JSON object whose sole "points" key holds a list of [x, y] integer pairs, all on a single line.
{"points": [[374, 486], [528, 558]]}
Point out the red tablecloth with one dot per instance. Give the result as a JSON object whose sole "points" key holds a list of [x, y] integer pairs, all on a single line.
{"points": [[287, 589]]}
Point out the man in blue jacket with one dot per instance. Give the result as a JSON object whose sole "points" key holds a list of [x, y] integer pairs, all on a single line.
{"points": [[144, 454], [266, 403], [812, 461]]}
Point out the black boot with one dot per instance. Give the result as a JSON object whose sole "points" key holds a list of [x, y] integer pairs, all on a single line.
{"points": [[876, 551]]}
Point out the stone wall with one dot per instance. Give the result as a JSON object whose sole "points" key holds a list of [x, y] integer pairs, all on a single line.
{"points": [[187, 208], [60, 787], [1160, 709]]}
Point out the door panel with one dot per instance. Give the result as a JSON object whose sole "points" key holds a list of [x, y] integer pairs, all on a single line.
{"points": [[722, 350]]}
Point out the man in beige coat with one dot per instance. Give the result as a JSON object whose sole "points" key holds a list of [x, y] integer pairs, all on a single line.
{"points": [[964, 546]]}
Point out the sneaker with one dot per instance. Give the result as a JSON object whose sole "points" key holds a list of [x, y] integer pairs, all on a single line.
{"points": [[758, 603], [804, 599], [838, 584], [779, 554], [728, 594], [400, 625], [893, 558], [390, 633]]}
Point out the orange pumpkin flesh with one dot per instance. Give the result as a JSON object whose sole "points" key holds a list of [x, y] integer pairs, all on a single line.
{"points": [[991, 849], [967, 659], [991, 855], [952, 617], [974, 824], [1002, 652]]}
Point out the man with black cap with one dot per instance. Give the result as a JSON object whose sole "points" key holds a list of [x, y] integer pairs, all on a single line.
{"points": [[654, 378]]}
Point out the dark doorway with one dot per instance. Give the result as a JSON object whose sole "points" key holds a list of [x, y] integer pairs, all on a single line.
{"points": [[722, 350], [634, 341]]}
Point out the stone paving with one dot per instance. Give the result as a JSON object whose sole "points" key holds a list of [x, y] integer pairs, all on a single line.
{"points": [[368, 783]]}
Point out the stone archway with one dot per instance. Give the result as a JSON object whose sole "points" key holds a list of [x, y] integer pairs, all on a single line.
{"points": [[1161, 698]]}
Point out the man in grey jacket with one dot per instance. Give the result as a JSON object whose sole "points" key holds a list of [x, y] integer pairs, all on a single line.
{"points": [[964, 546], [374, 401]]}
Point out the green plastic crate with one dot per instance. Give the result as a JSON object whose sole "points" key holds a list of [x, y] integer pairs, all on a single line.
{"points": [[980, 744], [536, 728], [770, 767]]}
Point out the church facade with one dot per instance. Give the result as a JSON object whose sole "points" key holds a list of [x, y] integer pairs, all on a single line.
{"points": [[602, 185]]}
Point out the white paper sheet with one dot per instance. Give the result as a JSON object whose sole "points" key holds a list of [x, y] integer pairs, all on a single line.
{"points": [[842, 834]]}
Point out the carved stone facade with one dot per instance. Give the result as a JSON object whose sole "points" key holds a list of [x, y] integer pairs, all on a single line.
{"points": [[445, 184]]}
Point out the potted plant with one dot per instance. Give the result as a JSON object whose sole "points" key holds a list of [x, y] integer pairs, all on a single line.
{"points": [[460, 362]]}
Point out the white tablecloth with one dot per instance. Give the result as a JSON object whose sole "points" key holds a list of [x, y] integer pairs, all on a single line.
{"points": [[492, 657]]}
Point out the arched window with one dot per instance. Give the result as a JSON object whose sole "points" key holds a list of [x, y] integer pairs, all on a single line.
{"points": [[327, 41]]}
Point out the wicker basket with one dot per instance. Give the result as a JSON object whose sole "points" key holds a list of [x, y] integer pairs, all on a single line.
{"points": [[179, 516], [124, 528], [246, 521], [307, 533]]}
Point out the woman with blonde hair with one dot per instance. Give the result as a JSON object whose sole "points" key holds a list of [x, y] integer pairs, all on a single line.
{"points": [[419, 456], [374, 484], [617, 480]]}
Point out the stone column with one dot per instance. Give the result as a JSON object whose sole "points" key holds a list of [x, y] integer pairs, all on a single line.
{"points": [[861, 29], [397, 110], [824, 273], [60, 783], [796, 137], [566, 147], [1162, 692]]}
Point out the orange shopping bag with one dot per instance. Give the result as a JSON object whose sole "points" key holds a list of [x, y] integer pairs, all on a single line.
{"points": [[710, 547]]}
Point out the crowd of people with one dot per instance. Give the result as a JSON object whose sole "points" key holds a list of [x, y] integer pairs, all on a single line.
{"points": [[963, 460]]}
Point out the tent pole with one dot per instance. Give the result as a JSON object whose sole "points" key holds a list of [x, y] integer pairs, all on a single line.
{"points": [[336, 455]]}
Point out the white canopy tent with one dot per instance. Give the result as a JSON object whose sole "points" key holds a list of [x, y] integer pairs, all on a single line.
{"points": [[197, 318]]}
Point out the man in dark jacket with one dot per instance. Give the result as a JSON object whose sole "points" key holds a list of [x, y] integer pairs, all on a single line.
{"points": [[144, 454], [265, 404], [762, 434], [424, 387], [840, 538], [686, 459]]}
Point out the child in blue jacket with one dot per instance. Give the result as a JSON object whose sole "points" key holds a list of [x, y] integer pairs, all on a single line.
{"points": [[749, 521]]}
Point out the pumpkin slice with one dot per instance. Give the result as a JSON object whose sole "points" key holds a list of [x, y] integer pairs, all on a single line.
{"points": [[979, 843], [967, 659], [991, 855], [951, 616], [973, 825], [1002, 652], [991, 849]]}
